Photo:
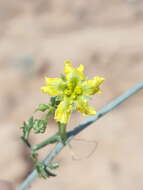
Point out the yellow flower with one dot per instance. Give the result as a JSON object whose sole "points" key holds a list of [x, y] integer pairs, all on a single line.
{"points": [[73, 91]]}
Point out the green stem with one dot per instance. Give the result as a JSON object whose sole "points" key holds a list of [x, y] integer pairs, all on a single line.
{"points": [[62, 132], [47, 116], [26, 141], [51, 140]]}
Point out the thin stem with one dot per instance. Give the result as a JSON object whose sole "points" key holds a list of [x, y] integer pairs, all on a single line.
{"points": [[28, 181], [50, 140], [62, 132], [53, 139], [26, 141]]}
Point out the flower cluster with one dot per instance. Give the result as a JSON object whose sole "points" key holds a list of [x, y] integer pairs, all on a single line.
{"points": [[73, 91]]}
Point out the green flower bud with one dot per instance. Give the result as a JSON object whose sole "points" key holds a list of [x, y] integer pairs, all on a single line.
{"points": [[39, 126], [42, 107]]}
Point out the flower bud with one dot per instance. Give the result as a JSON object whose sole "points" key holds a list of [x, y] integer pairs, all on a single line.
{"points": [[42, 107]]}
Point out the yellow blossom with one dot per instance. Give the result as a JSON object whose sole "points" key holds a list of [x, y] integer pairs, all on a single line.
{"points": [[73, 90]]}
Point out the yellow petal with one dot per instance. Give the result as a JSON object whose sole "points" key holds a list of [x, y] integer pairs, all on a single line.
{"points": [[91, 87], [86, 109], [83, 107], [68, 67], [80, 68], [80, 71], [99, 80], [53, 86], [63, 112], [73, 73]]}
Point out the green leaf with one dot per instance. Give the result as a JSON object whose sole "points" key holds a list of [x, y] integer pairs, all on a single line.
{"points": [[43, 171], [53, 166], [26, 128]]}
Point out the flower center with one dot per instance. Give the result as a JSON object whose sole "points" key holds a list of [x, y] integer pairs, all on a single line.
{"points": [[73, 91], [68, 92], [78, 90]]}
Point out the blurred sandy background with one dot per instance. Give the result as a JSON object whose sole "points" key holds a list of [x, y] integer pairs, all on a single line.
{"points": [[36, 36]]}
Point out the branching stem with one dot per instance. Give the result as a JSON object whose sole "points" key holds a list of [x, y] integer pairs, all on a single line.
{"points": [[50, 140], [28, 181]]}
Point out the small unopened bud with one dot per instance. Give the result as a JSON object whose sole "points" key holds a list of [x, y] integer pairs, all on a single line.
{"points": [[39, 126], [42, 107]]}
